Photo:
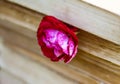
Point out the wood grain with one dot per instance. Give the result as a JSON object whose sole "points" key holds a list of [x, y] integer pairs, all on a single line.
{"points": [[28, 26], [42, 71], [86, 63], [80, 14], [8, 78], [97, 60]]}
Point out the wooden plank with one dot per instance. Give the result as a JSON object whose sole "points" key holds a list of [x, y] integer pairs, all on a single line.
{"points": [[28, 26], [28, 70], [97, 67], [92, 50], [81, 65], [8, 78], [101, 70], [42, 71], [110, 5], [19, 16], [100, 48], [80, 14]]}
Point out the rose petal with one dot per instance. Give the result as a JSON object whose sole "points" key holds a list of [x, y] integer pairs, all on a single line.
{"points": [[75, 51], [69, 58], [58, 51], [62, 39], [46, 42], [49, 53], [51, 35], [71, 47]]}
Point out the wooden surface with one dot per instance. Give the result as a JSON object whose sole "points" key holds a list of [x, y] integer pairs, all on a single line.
{"points": [[109, 5], [84, 68], [80, 14], [29, 70], [97, 60], [8, 78], [27, 26]]}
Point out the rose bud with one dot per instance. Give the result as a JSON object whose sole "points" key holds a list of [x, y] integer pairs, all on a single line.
{"points": [[57, 39]]}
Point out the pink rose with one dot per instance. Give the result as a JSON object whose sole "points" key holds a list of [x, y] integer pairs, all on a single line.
{"points": [[57, 39]]}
